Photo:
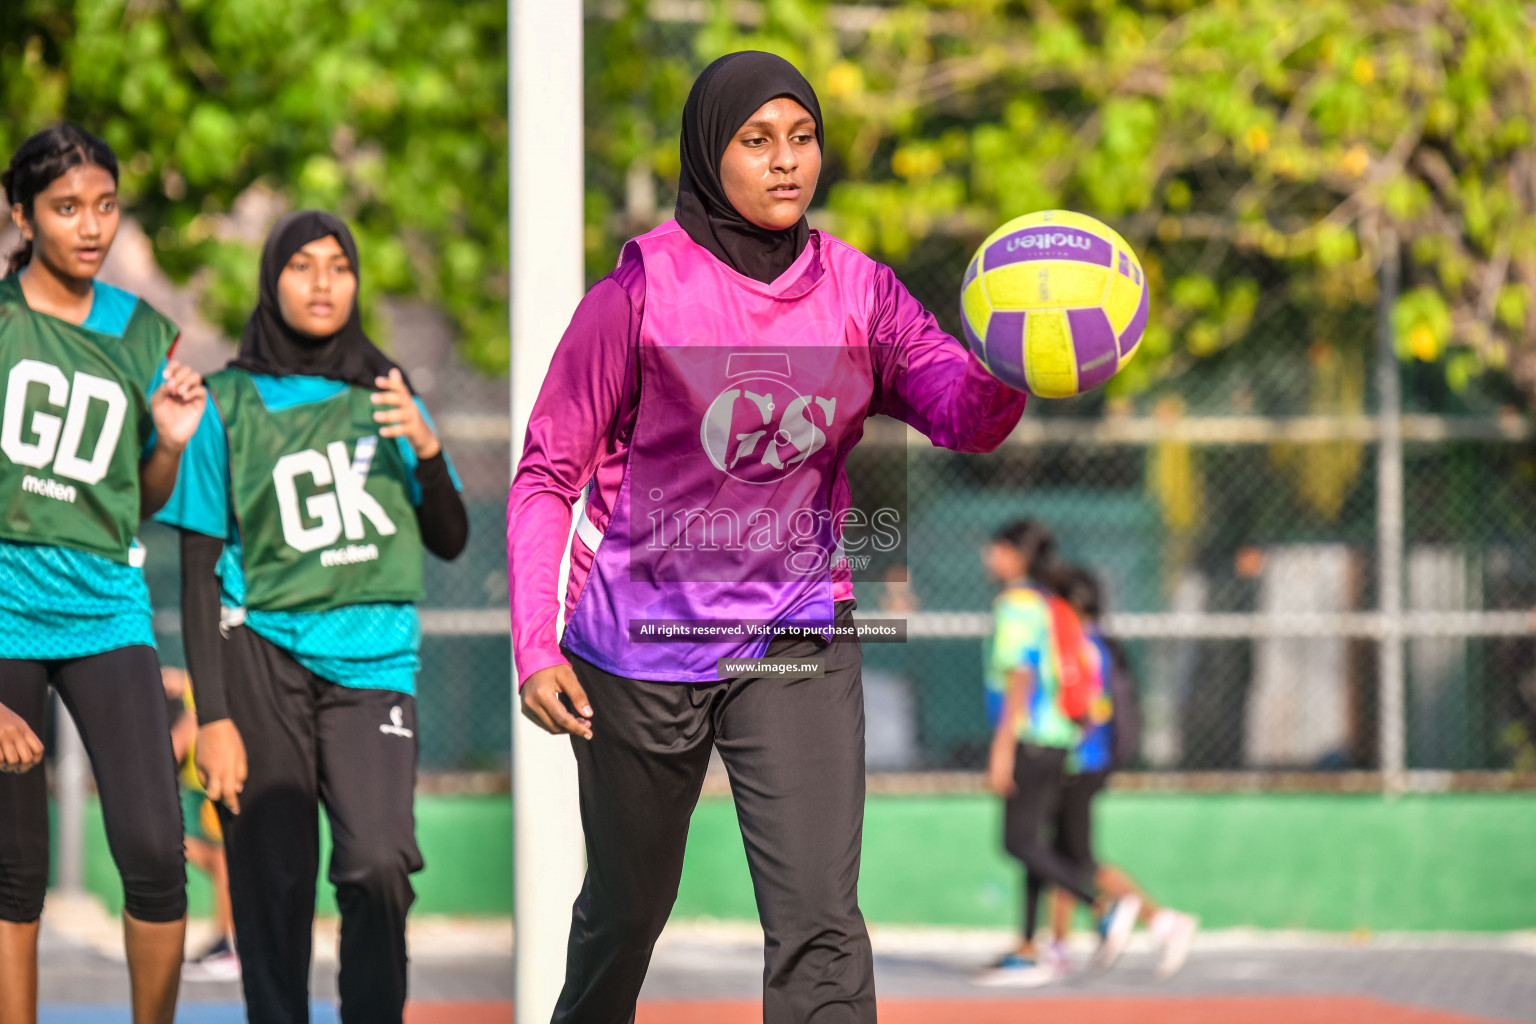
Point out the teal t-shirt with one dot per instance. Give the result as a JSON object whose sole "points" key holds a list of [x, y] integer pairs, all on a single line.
{"points": [[59, 602], [371, 646]]}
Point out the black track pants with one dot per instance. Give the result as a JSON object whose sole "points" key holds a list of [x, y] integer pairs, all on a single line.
{"points": [[309, 741], [1038, 776], [1073, 841], [794, 749], [118, 704]]}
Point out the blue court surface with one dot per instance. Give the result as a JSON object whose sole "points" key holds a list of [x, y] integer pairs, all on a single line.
{"points": [[193, 1013]]}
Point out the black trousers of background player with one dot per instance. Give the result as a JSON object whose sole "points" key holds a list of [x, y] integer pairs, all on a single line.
{"points": [[310, 742]]}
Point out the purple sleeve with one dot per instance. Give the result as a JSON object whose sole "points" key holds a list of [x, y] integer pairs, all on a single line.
{"points": [[590, 384], [929, 380]]}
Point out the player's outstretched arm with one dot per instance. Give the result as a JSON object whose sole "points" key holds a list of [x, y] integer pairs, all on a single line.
{"points": [[928, 380]]}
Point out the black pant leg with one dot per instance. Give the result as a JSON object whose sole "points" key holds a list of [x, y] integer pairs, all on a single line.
{"points": [[1034, 888], [794, 748], [118, 702], [367, 751], [1037, 778], [1057, 814], [273, 844], [640, 776], [1075, 822], [24, 801]]}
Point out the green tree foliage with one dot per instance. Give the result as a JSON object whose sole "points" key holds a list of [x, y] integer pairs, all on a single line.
{"points": [[1292, 134], [1307, 135], [389, 112]]}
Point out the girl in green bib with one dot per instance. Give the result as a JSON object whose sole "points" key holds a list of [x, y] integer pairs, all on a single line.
{"points": [[308, 493], [95, 419]]}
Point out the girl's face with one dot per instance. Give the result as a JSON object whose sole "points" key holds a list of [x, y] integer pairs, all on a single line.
{"points": [[771, 166], [316, 289], [1004, 562], [74, 221]]}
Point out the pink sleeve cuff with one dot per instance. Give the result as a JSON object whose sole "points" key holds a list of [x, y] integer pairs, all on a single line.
{"points": [[535, 659]]}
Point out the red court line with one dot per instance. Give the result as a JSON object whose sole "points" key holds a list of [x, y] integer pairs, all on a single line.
{"points": [[458, 1013], [1102, 1010], [1105, 1010]]}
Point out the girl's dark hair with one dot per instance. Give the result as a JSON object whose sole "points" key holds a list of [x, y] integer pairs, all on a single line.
{"points": [[40, 162], [1032, 539], [1080, 589]]}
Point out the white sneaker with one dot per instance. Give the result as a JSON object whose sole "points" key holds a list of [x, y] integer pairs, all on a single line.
{"points": [[1115, 929], [1175, 932], [218, 963], [1059, 960]]}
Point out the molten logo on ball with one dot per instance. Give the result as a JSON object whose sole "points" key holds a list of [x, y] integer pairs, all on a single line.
{"points": [[1046, 241]]}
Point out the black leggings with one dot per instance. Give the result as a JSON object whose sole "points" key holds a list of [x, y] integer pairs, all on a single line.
{"points": [[1074, 837], [312, 742], [1038, 776], [794, 749], [118, 702]]}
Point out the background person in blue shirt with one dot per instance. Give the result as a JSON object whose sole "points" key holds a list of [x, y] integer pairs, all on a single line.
{"points": [[309, 491]]}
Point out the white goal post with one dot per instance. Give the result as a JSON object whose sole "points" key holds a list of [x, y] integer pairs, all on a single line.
{"points": [[544, 135]]}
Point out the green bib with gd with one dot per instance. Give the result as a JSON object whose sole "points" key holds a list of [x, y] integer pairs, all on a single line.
{"points": [[322, 502], [75, 421]]}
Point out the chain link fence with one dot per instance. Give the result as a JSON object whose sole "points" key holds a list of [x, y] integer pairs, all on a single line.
{"points": [[1234, 512]]}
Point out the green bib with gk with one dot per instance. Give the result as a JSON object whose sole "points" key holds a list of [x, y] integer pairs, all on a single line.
{"points": [[322, 502], [75, 421]]}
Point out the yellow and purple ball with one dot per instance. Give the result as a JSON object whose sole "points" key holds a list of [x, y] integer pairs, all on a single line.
{"points": [[1054, 303]]}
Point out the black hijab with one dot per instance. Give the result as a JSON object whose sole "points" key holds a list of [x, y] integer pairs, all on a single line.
{"points": [[721, 100], [269, 345]]}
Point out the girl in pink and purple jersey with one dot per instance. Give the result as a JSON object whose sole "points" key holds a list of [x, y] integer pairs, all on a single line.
{"points": [[705, 399]]}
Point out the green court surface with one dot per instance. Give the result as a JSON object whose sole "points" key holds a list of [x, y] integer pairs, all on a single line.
{"points": [[1449, 862], [465, 840]]}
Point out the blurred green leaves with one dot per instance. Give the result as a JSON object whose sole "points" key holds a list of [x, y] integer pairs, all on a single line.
{"points": [[391, 113], [1302, 132]]}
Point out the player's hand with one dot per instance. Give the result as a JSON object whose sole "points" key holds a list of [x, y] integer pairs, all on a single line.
{"points": [[542, 704], [177, 405], [20, 749], [401, 415], [221, 763], [1000, 768]]}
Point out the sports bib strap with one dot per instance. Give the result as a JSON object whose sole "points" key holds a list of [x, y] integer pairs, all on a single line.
{"points": [[76, 418], [322, 502]]}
